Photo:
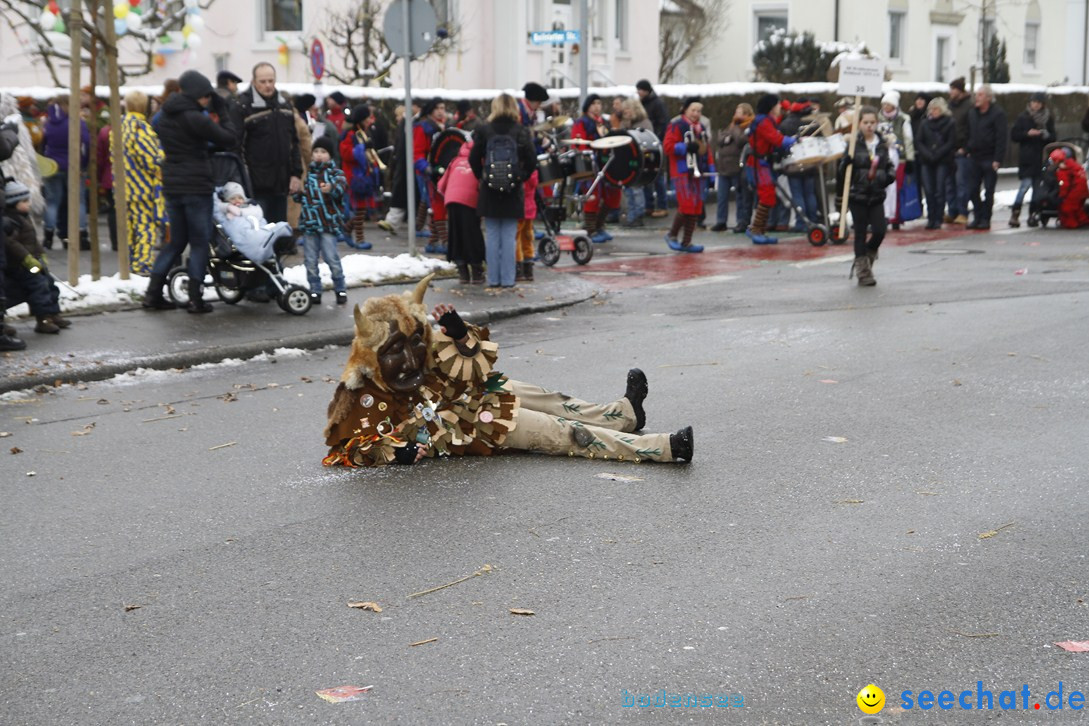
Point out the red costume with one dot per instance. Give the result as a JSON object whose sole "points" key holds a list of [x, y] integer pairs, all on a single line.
{"points": [[764, 138], [591, 128], [679, 145], [1073, 191]]}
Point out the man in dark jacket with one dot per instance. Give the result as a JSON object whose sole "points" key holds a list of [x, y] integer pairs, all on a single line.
{"points": [[659, 119], [1032, 130], [270, 143], [986, 147], [9, 141], [957, 189], [185, 132], [227, 88]]}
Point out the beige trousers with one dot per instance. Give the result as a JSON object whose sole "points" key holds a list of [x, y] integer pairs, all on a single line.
{"points": [[555, 423]]}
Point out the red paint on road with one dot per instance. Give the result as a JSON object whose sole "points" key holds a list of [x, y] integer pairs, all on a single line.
{"points": [[676, 266]]}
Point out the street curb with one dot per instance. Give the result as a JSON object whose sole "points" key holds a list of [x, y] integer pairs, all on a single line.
{"points": [[214, 354]]}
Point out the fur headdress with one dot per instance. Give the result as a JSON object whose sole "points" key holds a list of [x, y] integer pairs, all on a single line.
{"points": [[374, 323]]}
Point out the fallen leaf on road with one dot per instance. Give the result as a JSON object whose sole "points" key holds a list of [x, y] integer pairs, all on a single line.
{"points": [[306, 379], [835, 439], [956, 382], [223, 446], [617, 477], [994, 532], [1075, 646], [32, 473], [86, 430], [372, 606], [928, 494], [850, 501], [16, 450], [422, 642], [228, 397], [132, 607], [103, 402], [5, 434], [342, 694], [521, 611], [828, 380]]}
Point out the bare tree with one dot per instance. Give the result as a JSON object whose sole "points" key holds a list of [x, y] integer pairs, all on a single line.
{"points": [[159, 18], [358, 37], [687, 28]]}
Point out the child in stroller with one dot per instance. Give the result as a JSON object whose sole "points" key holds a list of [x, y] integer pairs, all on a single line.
{"points": [[244, 224], [1062, 189]]}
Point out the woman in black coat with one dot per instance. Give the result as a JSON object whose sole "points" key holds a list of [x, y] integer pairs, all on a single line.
{"points": [[872, 172], [1032, 130], [935, 147], [501, 203]]}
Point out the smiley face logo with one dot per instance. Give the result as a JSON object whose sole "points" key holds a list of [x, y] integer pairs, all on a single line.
{"points": [[871, 699]]}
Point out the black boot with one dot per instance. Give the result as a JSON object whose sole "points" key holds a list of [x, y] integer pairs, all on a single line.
{"points": [[153, 298], [682, 443], [463, 272], [47, 241], [636, 393], [8, 339], [84, 240], [196, 299], [527, 270], [476, 274]]}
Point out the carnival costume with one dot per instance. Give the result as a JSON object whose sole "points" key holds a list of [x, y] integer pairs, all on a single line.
{"points": [[409, 392], [687, 146]]}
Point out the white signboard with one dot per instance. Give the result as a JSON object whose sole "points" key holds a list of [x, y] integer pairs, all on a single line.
{"points": [[861, 77]]}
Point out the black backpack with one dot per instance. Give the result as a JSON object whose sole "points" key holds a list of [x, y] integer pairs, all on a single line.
{"points": [[501, 172]]}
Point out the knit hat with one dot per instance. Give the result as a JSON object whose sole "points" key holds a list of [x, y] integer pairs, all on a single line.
{"points": [[891, 98], [644, 85], [359, 114], [689, 101], [957, 83], [304, 102], [535, 92], [1039, 97], [231, 190], [429, 107], [15, 192], [194, 85], [766, 103], [340, 98], [323, 142], [589, 100]]}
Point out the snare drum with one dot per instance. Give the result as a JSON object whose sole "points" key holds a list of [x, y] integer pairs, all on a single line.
{"points": [[807, 152], [578, 164], [835, 147], [637, 163], [444, 149], [549, 169]]}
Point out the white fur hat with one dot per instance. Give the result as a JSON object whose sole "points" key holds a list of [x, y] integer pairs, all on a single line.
{"points": [[892, 98]]}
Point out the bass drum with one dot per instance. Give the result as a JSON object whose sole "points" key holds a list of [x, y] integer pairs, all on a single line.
{"points": [[635, 164], [444, 149]]}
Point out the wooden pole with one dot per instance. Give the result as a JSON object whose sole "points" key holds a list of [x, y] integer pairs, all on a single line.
{"points": [[75, 32], [92, 152], [850, 169], [120, 193]]}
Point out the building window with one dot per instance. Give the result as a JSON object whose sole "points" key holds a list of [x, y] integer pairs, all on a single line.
{"points": [[283, 16], [988, 32], [897, 27], [622, 24], [1032, 34], [768, 22]]}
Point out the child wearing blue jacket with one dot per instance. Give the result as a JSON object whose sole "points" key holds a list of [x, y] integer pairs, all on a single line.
{"points": [[322, 219]]}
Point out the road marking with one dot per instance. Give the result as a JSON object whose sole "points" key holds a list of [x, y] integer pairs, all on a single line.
{"points": [[694, 282], [823, 261]]}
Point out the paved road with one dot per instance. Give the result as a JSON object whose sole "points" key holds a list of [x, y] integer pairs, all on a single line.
{"points": [[889, 487]]}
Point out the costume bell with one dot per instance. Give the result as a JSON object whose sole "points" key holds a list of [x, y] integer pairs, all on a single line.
{"points": [[409, 392]]}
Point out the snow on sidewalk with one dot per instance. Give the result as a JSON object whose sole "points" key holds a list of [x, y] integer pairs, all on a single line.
{"points": [[358, 270]]}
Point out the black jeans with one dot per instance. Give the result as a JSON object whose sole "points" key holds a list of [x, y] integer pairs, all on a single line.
{"points": [[934, 179], [981, 171], [868, 218], [190, 224]]}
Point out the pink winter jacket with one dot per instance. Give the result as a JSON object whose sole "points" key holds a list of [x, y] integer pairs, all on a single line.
{"points": [[531, 196], [459, 185]]}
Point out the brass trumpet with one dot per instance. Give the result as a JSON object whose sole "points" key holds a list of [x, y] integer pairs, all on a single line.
{"points": [[372, 156]]}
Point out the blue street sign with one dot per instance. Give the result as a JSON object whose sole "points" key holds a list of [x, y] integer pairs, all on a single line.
{"points": [[554, 37]]}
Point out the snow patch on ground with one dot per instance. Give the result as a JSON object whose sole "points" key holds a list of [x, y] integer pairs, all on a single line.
{"points": [[358, 270]]}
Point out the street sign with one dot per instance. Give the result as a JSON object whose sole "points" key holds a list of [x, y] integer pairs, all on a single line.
{"points": [[422, 24], [554, 37], [861, 77], [317, 59]]}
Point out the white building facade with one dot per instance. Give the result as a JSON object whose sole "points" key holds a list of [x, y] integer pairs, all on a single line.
{"points": [[491, 44], [921, 40]]}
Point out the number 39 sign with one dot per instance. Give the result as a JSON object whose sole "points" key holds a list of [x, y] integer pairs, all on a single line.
{"points": [[861, 77]]}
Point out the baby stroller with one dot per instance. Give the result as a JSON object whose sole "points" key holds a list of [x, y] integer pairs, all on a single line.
{"points": [[230, 272], [1045, 195]]}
